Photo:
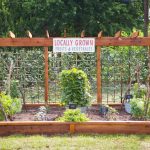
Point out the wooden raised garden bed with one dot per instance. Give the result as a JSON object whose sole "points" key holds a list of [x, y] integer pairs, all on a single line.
{"points": [[20, 126], [52, 127]]}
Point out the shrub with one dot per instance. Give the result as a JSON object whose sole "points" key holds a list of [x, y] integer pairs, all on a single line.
{"points": [[73, 115], [75, 87], [137, 107], [10, 105]]}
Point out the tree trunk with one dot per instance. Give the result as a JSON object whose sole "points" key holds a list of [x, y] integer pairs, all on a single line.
{"points": [[146, 24]]}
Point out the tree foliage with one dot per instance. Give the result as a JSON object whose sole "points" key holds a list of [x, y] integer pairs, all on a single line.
{"points": [[74, 15]]}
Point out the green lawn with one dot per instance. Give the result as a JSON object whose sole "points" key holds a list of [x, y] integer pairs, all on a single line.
{"points": [[76, 142]]}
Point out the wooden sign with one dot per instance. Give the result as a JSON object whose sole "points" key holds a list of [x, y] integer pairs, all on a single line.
{"points": [[73, 45]]}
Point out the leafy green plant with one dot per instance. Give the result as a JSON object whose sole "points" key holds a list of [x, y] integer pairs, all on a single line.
{"points": [[111, 114], [73, 115], [75, 87], [137, 107], [140, 107], [10, 106]]}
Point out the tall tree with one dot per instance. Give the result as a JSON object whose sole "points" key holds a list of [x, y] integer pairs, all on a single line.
{"points": [[75, 15]]}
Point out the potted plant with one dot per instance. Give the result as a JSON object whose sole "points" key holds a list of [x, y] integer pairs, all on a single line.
{"points": [[139, 91], [75, 88]]}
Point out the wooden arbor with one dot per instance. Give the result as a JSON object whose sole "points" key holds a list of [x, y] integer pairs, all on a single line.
{"points": [[47, 41]]}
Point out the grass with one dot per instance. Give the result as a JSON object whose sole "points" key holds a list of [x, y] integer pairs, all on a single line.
{"points": [[76, 142]]}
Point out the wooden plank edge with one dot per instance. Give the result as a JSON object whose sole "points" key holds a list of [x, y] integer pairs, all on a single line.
{"points": [[110, 104], [59, 104], [104, 127], [42, 104], [19, 123]]}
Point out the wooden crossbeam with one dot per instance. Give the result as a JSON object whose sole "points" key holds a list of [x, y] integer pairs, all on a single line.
{"points": [[103, 41], [125, 41], [25, 42], [11, 34]]}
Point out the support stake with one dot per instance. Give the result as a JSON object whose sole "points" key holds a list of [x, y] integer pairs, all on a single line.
{"points": [[46, 74]]}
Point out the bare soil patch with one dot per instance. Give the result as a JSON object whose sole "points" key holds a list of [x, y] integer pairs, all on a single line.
{"points": [[55, 112]]}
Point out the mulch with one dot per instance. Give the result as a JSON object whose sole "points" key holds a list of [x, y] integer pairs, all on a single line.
{"points": [[92, 113]]}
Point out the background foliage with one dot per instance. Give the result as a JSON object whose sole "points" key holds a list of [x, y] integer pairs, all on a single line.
{"points": [[74, 15]]}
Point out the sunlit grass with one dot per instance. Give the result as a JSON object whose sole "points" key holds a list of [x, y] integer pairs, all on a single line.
{"points": [[76, 142]]}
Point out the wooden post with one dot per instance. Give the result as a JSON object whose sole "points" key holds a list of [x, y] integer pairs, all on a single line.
{"points": [[46, 73], [99, 84], [72, 128]]}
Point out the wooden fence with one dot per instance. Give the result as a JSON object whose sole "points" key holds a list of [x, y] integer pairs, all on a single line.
{"points": [[117, 40]]}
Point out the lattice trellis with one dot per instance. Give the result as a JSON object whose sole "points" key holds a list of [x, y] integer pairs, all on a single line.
{"points": [[59, 62], [28, 65]]}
